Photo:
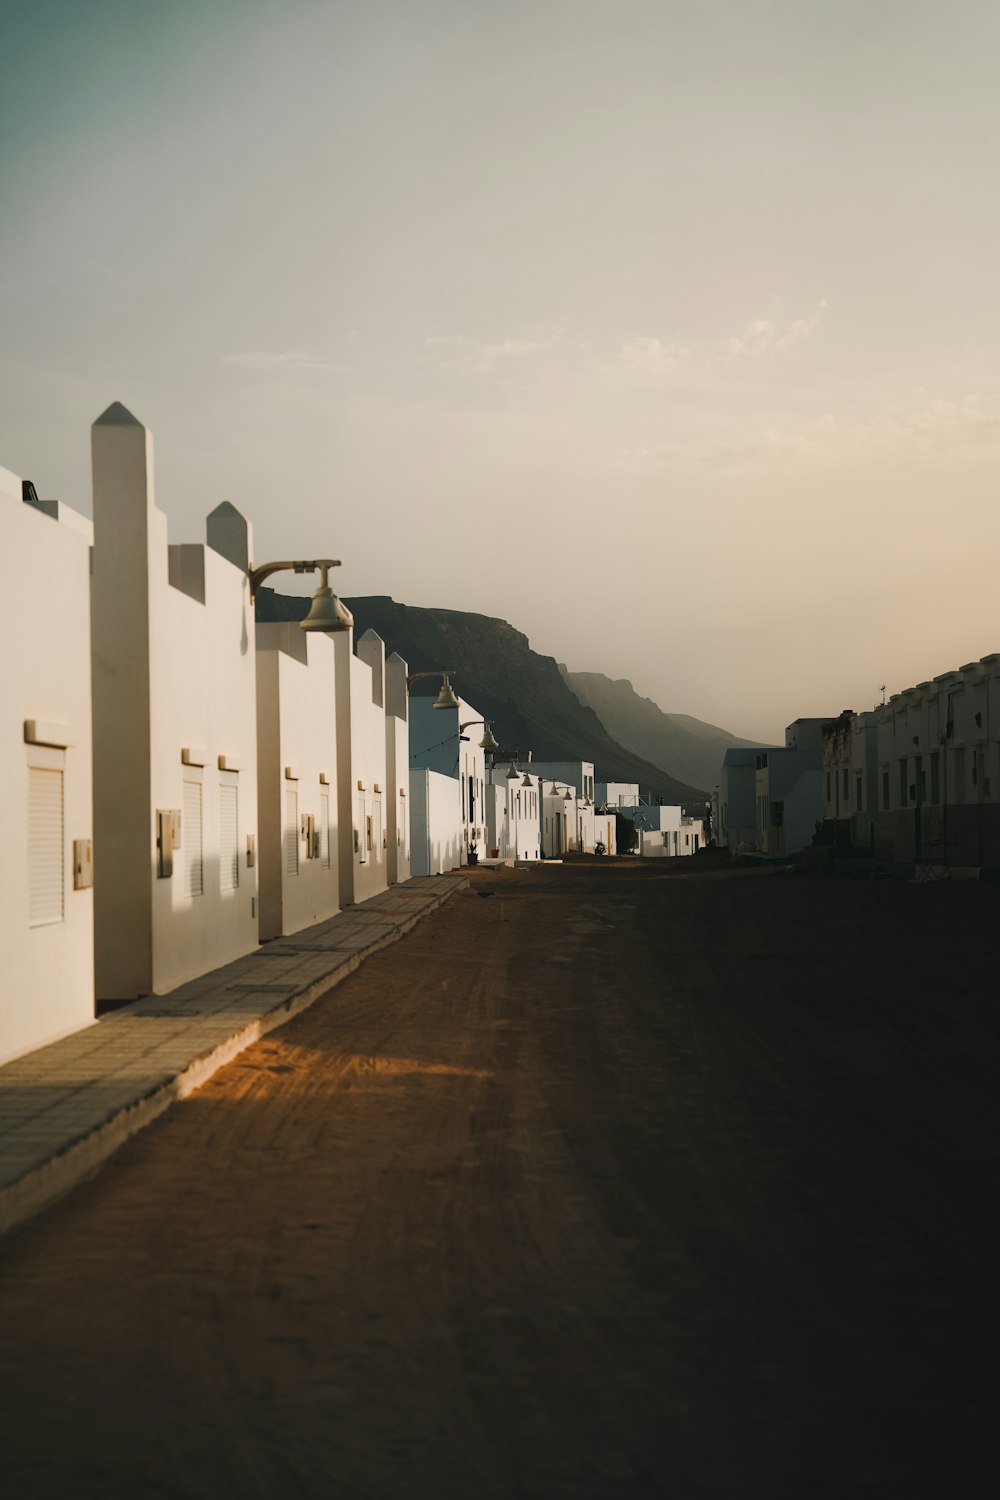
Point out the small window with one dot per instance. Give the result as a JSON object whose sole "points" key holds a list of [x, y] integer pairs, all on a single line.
{"points": [[903, 793], [858, 793], [46, 839], [936, 776], [886, 795], [291, 829], [846, 786]]}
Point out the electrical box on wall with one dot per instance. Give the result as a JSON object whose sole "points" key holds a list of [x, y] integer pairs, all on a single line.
{"points": [[251, 850], [83, 864]]}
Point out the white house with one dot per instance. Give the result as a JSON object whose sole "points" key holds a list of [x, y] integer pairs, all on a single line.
{"points": [[449, 743], [939, 770], [560, 829], [298, 839], [519, 787], [364, 788], [735, 801], [175, 749], [578, 774], [617, 794], [850, 778], [46, 895], [397, 768], [789, 789]]}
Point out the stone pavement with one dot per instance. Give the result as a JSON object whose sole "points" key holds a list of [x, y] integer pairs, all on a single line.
{"points": [[65, 1108]]}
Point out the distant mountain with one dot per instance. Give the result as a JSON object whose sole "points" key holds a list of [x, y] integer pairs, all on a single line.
{"points": [[687, 748], [524, 695]]}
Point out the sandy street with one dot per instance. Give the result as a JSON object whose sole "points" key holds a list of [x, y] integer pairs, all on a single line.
{"points": [[607, 1181]]}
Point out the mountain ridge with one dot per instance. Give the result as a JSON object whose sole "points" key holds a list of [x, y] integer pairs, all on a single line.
{"points": [[690, 747], [521, 692]]}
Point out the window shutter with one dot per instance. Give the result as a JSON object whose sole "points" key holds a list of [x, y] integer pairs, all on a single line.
{"points": [[46, 878], [291, 830], [229, 837], [191, 841]]}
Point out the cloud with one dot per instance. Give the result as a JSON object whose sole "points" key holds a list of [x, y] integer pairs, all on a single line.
{"points": [[955, 433], [457, 353], [651, 357], [761, 337], [294, 361]]}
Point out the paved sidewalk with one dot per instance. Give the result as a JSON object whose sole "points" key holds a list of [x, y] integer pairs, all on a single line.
{"points": [[65, 1108]]}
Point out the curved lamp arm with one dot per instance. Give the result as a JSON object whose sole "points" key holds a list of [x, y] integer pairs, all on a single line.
{"points": [[257, 575]]}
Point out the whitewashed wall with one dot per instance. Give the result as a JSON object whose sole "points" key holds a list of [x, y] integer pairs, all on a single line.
{"points": [[436, 744], [397, 772], [297, 778], [369, 784], [436, 829], [46, 928], [174, 680]]}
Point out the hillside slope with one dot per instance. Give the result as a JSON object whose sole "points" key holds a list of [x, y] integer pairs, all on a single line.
{"points": [[688, 748], [524, 694]]}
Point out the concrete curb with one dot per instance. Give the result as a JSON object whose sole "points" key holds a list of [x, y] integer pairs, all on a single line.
{"points": [[25, 1196]]}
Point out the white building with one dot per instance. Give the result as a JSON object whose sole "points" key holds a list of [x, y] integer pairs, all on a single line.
{"points": [[579, 775], [559, 818], [517, 791], [735, 801], [617, 794], [175, 734], [939, 770], [789, 789], [448, 742], [363, 781], [298, 840], [46, 897], [850, 778], [397, 768]]}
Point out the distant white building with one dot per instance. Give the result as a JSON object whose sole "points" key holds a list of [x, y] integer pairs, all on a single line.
{"points": [[175, 734], [789, 789], [617, 794], [735, 801], [363, 767], [448, 743], [46, 895], [397, 768]]}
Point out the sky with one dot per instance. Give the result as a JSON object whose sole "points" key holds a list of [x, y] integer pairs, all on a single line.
{"points": [[666, 331]]}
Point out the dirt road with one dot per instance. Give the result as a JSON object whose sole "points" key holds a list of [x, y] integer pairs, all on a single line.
{"points": [[608, 1181]]}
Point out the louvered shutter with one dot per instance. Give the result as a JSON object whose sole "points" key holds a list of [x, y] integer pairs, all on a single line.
{"points": [[324, 830], [229, 836], [46, 876], [192, 841], [291, 830]]}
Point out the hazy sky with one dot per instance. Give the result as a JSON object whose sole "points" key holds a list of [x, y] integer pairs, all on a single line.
{"points": [[668, 332]]}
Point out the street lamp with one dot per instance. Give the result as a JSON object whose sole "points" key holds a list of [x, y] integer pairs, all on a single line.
{"points": [[446, 697], [326, 611], [487, 742]]}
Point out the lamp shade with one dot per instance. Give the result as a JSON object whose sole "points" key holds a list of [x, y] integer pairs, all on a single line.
{"points": [[488, 742], [446, 697], [326, 611]]}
